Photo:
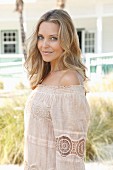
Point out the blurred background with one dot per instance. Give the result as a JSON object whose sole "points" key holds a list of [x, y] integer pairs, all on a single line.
{"points": [[93, 20]]}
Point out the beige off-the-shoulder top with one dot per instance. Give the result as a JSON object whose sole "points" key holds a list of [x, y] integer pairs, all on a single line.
{"points": [[56, 124]]}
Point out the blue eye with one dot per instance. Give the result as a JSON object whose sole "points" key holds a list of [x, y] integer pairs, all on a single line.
{"points": [[40, 37], [54, 38]]}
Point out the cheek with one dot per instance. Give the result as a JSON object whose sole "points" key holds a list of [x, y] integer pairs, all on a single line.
{"points": [[39, 45], [58, 48]]}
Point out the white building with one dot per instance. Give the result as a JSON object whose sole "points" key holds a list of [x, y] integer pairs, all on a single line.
{"points": [[93, 20]]}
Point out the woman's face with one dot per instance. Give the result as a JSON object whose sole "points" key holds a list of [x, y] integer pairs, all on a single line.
{"points": [[48, 43]]}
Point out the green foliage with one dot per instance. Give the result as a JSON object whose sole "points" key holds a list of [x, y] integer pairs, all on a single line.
{"points": [[20, 86], [100, 132], [11, 130], [1, 85]]}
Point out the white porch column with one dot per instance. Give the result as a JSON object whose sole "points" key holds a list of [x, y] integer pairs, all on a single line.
{"points": [[99, 11]]}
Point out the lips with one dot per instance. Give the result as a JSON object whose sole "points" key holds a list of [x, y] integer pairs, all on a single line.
{"points": [[46, 52]]}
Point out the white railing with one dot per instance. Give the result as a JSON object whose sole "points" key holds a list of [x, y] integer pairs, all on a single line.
{"points": [[12, 63], [98, 65]]}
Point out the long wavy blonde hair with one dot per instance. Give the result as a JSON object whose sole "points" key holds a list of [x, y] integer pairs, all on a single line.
{"points": [[71, 56]]}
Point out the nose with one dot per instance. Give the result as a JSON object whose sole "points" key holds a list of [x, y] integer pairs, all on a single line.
{"points": [[45, 43]]}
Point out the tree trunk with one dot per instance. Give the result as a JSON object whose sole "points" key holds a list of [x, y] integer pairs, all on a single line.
{"points": [[23, 37], [61, 4], [19, 9]]}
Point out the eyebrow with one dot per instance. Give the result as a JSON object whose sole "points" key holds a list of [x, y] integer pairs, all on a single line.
{"points": [[50, 35], [54, 35]]}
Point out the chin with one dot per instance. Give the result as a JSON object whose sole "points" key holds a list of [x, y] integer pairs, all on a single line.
{"points": [[46, 60]]}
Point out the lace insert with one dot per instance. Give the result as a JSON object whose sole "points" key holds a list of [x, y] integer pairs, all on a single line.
{"points": [[65, 146]]}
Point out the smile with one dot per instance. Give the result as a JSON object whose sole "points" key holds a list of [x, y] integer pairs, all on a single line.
{"points": [[46, 52]]}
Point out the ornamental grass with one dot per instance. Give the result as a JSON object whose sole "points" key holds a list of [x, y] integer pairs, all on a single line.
{"points": [[11, 130], [99, 144]]}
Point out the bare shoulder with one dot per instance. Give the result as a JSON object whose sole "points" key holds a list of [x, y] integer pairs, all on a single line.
{"points": [[69, 78]]}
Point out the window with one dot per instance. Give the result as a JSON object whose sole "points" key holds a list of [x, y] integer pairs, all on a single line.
{"points": [[86, 40], [80, 32], [89, 42], [9, 41]]}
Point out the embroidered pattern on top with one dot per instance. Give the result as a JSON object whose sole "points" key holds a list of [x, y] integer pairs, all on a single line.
{"points": [[41, 112], [66, 146]]}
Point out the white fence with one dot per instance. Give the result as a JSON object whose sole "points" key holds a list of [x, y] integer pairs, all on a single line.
{"points": [[12, 70], [11, 65], [98, 65]]}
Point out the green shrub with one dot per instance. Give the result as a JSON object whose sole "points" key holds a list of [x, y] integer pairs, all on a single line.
{"points": [[1, 85], [100, 132], [12, 130], [20, 86]]}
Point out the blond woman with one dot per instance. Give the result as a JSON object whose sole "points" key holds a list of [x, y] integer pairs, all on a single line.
{"points": [[56, 112]]}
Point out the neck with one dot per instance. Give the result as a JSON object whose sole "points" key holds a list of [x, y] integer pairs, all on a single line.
{"points": [[54, 71], [55, 67]]}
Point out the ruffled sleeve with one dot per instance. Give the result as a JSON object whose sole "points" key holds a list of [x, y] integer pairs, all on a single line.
{"points": [[70, 117]]}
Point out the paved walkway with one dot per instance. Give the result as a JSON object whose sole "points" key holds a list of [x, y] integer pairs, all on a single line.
{"points": [[89, 166], [99, 166]]}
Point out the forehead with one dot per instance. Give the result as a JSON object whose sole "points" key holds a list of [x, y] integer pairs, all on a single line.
{"points": [[48, 28]]}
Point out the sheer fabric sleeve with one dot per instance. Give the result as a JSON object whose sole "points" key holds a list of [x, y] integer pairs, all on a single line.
{"points": [[70, 118]]}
